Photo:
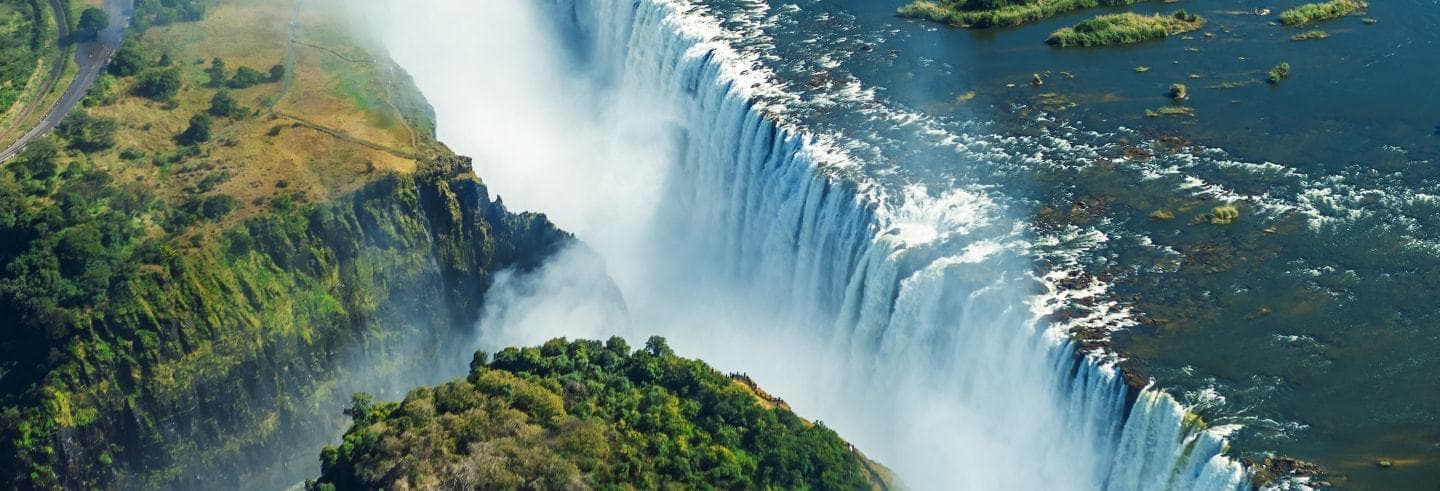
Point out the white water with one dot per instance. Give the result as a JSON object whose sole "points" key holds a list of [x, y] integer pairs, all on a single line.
{"points": [[906, 319]]}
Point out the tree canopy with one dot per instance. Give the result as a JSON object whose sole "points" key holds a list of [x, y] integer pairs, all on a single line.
{"points": [[586, 414], [92, 21]]}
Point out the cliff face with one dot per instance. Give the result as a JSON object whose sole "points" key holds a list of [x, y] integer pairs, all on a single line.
{"points": [[207, 259], [218, 361]]}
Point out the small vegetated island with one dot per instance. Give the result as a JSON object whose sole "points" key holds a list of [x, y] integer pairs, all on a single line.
{"points": [[1125, 28], [988, 13], [585, 414], [1315, 12]]}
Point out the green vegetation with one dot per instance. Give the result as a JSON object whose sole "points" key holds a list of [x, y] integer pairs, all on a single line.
{"points": [[988, 13], [159, 84], [1278, 73], [198, 132], [87, 133], [587, 414], [244, 78], [1309, 35], [21, 43], [165, 12], [92, 21], [1315, 12], [1125, 28], [129, 60], [106, 293], [223, 105], [139, 276]]}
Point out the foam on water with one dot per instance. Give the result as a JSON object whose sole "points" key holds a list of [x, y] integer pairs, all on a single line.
{"points": [[906, 316]]}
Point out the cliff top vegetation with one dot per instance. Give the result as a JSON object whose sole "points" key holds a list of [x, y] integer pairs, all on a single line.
{"points": [[589, 414], [171, 228]]}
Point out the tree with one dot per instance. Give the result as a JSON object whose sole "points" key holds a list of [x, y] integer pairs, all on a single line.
{"points": [[198, 132], [92, 21], [159, 85], [223, 105], [246, 77], [217, 72], [129, 60], [216, 207], [87, 133], [657, 346], [41, 150], [102, 93], [277, 73]]}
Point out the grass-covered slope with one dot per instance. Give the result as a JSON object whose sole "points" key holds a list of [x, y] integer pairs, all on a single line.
{"points": [[582, 414], [191, 272], [998, 13]]}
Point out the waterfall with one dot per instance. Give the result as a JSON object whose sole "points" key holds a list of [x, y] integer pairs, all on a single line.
{"points": [[907, 318]]}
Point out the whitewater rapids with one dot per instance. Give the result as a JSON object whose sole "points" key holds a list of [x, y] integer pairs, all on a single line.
{"points": [[908, 318]]}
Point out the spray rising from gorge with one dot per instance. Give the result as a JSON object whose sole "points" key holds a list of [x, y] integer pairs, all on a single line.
{"points": [[907, 317]]}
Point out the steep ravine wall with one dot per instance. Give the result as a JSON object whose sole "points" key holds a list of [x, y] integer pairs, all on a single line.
{"points": [[253, 344]]}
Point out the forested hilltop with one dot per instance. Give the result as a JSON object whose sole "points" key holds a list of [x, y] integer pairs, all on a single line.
{"points": [[193, 276], [585, 414]]}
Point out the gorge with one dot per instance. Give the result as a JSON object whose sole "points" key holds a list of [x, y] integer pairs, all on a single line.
{"points": [[363, 244]]}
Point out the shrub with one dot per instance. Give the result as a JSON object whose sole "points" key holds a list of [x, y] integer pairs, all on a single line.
{"points": [[223, 105], [87, 133], [1124, 28], [198, 132], [1309, 35], [1280, 72], [1315, 12], [159, 84], [217, 73], [988, 13], [129, 60], [246, 77]]}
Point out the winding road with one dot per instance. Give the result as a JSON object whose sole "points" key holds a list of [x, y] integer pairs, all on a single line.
{"points": [[91, 58]]}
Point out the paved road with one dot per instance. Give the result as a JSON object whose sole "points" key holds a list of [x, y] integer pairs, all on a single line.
{"points": [[91, 57], [57, 70]]}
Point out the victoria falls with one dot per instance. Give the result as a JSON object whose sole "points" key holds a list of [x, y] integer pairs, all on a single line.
{"points": [[719, 244]]}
